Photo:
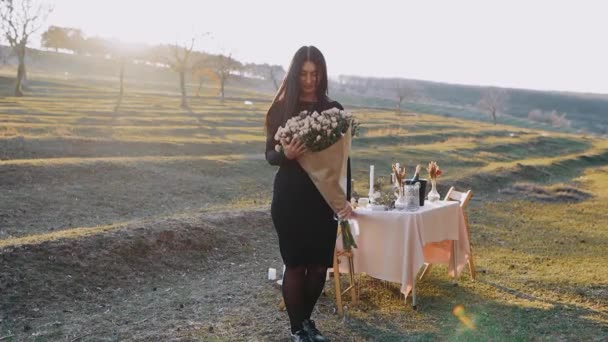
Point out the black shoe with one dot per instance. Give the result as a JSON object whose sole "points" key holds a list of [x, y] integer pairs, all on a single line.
{"points": [[300, 336], [308, 325]]}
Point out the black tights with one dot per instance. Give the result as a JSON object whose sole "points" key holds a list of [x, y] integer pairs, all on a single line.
{"points": [[302, 286]]}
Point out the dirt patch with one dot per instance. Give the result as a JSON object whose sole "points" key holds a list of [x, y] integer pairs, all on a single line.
{"points": [[135, 282], [553, 194]]}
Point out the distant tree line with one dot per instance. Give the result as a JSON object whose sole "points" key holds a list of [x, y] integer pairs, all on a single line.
{"points": [[20, 19], [181, 58], [398, 89], [553, 118]]}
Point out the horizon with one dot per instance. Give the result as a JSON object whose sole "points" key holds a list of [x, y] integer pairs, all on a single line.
{"points": [[554, 46]]}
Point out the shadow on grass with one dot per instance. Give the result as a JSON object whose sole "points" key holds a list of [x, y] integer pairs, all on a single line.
{"points": [[470, 313]]}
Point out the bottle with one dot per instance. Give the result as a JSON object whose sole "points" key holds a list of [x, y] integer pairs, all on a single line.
{"points": [[417, 174]]}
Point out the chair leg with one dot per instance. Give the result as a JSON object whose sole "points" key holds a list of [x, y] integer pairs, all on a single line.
{"points": [[454, 262], [427, 267], [472, 264], [414, 296], [337, 283], [353, 284]]}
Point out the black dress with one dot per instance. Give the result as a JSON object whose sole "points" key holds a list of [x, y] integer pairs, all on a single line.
{"points": [[304, 222]]}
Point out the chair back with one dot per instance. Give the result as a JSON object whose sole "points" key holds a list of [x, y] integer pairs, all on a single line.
{"points": [[462, 197]]}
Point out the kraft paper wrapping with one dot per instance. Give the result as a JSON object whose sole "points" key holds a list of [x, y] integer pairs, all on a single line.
{"points": [[328, 170]]}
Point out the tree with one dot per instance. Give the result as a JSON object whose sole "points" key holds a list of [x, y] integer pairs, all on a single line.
{"points": [[276, 73], [121, 77], [201, 72], [55, 37], [493, 101], [224, 66], [19, 20], [272, 73], [93, 46], [123, 54], [404, 89], [180, 63], [76, 41]]}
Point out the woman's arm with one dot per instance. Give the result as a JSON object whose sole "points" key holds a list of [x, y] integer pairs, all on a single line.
{"points": [[272, 156]]}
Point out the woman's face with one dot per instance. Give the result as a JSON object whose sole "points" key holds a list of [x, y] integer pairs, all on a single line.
{"points": [[309, 79]]}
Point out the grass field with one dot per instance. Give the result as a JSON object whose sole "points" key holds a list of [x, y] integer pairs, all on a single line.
{"points": [[152, 223]]}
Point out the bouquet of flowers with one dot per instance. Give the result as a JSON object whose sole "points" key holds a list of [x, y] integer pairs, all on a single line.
{"points": [[398, 174], [327, 135], [317, 131], [434, 170]]}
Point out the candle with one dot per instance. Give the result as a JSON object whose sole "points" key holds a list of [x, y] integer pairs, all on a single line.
{"points": [[272, 273], [371, 179]]}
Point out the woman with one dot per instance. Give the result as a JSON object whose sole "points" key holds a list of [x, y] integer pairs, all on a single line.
{"points": [[304, 222]]}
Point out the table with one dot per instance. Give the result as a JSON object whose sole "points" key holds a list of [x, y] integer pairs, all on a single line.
{"points": [[394, 245]]}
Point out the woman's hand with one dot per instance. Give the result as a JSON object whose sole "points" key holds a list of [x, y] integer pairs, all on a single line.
{"points": [[347, 212], [293, 149]]}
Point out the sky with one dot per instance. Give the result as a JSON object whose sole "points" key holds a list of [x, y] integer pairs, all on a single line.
{"points": [[534, 44]]}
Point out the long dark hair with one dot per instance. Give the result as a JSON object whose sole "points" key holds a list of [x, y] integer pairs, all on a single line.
{"points": [[289, 92]]}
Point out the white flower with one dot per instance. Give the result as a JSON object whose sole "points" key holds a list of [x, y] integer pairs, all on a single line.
{"points": [[328, 132], [277, 148], [333, 110], [334, 124], [318, 137]]}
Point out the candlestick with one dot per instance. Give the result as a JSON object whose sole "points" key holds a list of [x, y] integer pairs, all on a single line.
{"points": [[371, 182]]}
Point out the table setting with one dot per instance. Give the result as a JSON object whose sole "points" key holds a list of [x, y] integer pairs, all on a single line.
{"points": [[398, 233]]}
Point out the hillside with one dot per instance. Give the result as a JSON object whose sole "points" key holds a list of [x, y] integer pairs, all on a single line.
{"points": [[588, 113], [152, 222]]}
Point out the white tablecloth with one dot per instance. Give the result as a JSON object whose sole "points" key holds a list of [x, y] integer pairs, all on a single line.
{"points": [[394, 245]]}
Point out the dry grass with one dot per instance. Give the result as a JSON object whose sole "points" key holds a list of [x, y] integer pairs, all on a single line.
{"points": [[138, 225]]}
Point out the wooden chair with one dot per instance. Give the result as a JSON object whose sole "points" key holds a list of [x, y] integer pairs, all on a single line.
{"points": [[463, 198], [348, 254]]}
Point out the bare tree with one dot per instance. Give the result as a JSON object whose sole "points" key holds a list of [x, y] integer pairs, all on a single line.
{"points": [[404, 89], [121, 77], [224, 66], [201, 72], [19, 20], [180, 63], [276, 74], [493, 101]]}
